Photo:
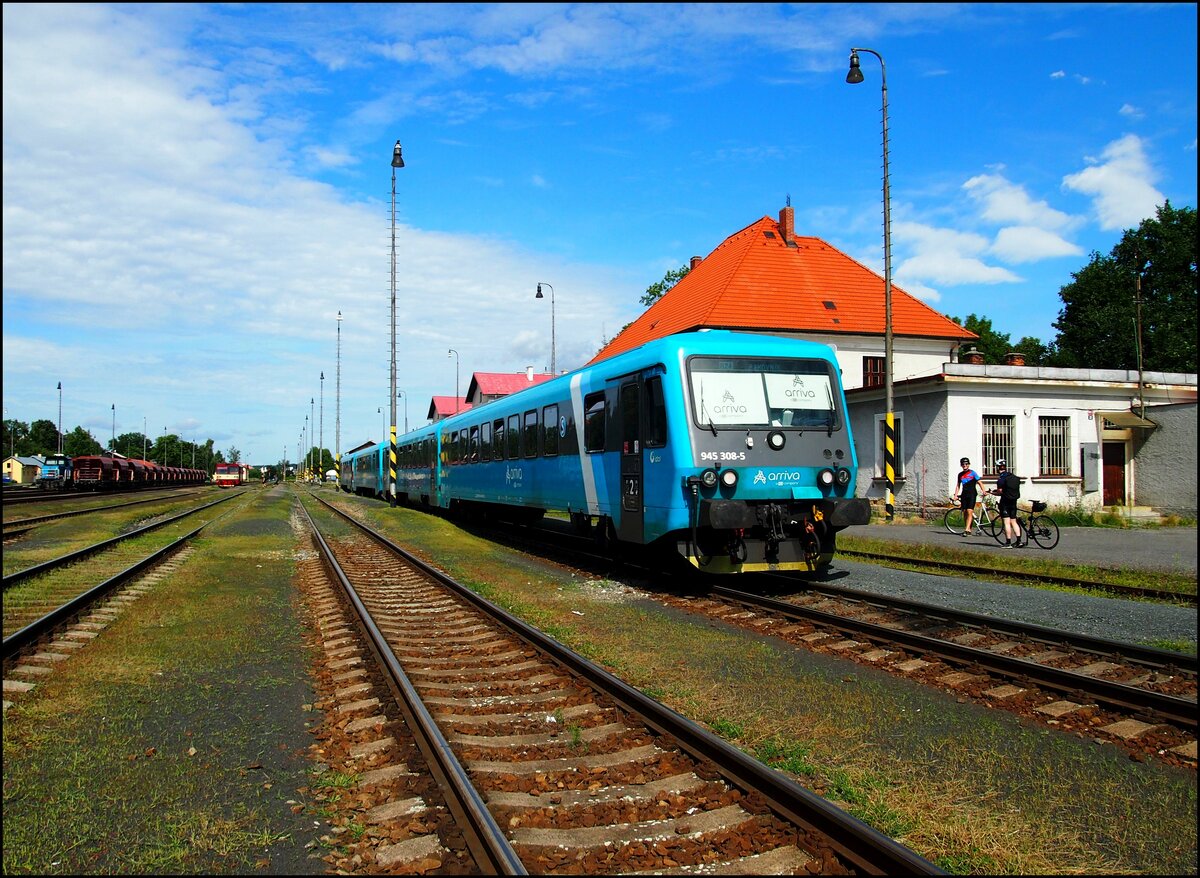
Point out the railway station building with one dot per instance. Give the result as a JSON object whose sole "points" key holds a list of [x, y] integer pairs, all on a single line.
{"points": [[22, 470], [1081, 438]]}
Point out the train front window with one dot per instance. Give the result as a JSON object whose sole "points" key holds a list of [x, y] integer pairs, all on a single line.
{"points": [[749, 392]]}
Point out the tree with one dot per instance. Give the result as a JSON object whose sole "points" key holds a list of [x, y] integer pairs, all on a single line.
{"points": [[16, 437], [233, 455], [656, 291], [80, 442], [130, 444], [1097, 326], [43, 437]]}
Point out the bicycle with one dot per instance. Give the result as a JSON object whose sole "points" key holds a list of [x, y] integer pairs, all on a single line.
{"points": [[1042, 529], [986, 520]]}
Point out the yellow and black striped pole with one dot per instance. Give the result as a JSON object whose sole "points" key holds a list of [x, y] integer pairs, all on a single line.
{"points": [[889, 463], [392, 469]]}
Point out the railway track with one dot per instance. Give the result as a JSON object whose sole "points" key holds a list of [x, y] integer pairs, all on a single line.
{"points": [[15, 527], [1141, 699], [40, 599], [36, 496], [548, 762]]}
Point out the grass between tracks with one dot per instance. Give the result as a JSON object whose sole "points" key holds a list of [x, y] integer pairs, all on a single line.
{"points": [[174, 741], [975, 791]]}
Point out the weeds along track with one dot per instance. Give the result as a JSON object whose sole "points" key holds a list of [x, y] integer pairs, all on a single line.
{"points": [[548, 763], [1140, 698], [21, 525], [40, 600]]}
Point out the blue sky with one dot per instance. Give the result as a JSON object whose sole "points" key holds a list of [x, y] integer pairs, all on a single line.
{"points": [[193, 192]]}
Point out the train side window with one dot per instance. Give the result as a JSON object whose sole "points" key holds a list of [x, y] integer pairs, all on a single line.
{"points": [[529, 443], [550, 435], [656, 413], [629, 419], [485, 440], [593, 421], [498, 439], [452, 447], [473, 451], [514, 437]]}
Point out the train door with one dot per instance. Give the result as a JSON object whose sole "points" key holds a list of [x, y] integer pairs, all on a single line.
{"points": [[629, 423]]}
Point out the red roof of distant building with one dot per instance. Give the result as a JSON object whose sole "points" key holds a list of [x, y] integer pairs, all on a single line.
{"points": [[442, 406], [766, 278], [504, 383]]}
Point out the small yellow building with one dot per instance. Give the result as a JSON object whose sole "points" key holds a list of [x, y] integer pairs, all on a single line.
{"points": [[22, 470]]}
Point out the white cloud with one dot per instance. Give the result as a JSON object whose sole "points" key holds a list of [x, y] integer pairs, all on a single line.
{"points": [[945, 256], [1005, 202], [1121, 184], [1131, 111], [1020, 244], [1058, 74]]}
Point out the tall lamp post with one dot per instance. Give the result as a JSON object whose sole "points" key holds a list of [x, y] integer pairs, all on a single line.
{"points": [[448, 353], [405, 395], [321, 433], [312, 411], [337, 420], [60, 417], [113, 446], [379, 411], [553, 346], [307, 447], [889, 442], [397, 162]]}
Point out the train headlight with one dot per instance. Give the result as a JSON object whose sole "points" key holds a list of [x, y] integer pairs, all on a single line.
{"points": [[775, 440], [708, 478], [843, 477], [729, 479], [825, 478]]}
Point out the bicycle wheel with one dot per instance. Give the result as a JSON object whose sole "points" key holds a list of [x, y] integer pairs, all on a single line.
{"points": [[998, 533], [991, 526], [1045, 531], [955, 520]]}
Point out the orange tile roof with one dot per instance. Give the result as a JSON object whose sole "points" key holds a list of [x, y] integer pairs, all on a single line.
{"points": [[755, 281], [504, 383]]}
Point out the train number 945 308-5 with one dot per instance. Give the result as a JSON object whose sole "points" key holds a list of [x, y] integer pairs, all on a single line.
{"points": [[722, 455]]}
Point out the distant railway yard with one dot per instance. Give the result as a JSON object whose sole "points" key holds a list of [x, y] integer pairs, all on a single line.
{"points": [[292, 680]]}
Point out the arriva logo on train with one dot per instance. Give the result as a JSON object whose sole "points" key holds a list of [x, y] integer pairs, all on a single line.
{"points": [[654, 457], [785, 478], [513, 475]]}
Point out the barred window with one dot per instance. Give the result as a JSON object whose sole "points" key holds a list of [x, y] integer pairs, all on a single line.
{"points": [[881, 446], [998, 440], [1054, 443], [873, 371]]}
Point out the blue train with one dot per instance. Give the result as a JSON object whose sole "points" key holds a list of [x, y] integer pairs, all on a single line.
{"points": [[732, 450]]}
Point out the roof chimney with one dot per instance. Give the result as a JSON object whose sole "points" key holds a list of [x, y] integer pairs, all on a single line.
{"points": [[529, 373], [787, 224], [696, 260]]}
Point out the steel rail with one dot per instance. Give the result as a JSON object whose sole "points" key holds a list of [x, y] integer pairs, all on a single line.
{"points": [[46, 566], [1069, 581], [485, 838], [1147, 655], [43, 496], [866, 849], [1130, 698], [38, 519], [32, 632]]}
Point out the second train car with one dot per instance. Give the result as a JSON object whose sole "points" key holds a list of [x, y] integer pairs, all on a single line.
{"points": [[733, 450]]}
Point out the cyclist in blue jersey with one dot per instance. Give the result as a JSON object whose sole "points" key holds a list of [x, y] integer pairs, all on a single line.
{"points": [[967, 487]]}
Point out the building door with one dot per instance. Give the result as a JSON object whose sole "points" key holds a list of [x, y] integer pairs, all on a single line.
{"points": [[1114, 473]]}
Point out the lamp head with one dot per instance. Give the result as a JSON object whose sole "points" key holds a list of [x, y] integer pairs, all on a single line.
{"points": [[539, 292], [397, 159], [854, 76]]}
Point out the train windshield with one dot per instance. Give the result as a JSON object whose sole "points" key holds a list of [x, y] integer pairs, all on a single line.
{"points": [[762, 392]]}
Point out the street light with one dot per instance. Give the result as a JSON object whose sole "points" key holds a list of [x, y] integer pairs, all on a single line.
{"points": [[321, 433], [405, 395], [113, 446], [397, 162], [143, 437], [448, 353], [553, 363], [855, 76], [379, 411], [312, 410], [60, 417]]}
